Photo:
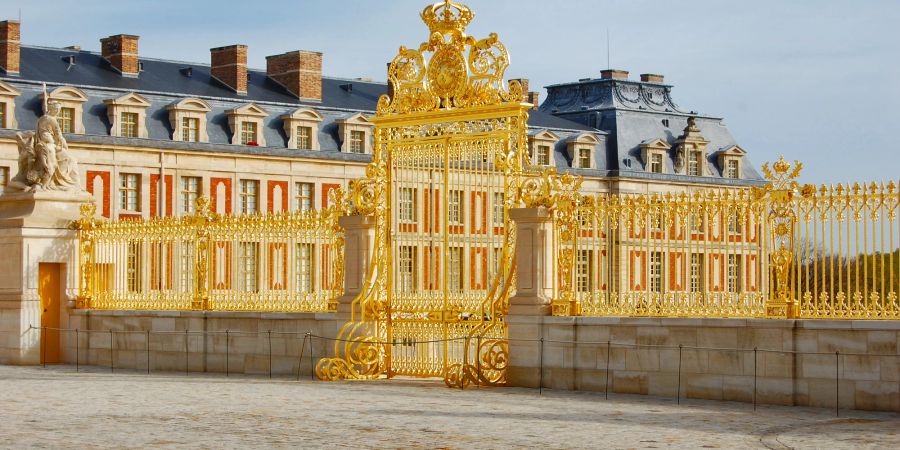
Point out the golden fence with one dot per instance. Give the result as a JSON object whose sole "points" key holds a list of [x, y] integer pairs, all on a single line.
{"points": [[264, 262], [783, 250]]}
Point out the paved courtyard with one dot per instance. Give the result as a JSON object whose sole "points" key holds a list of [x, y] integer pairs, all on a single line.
{"points": [[57, 408]]}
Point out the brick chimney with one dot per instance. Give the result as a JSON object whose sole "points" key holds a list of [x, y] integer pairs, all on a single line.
{"points": [[121, 51], [651, 78], [300, 72], [9, 46], [610, 74], [229, 66], [534, 98]]}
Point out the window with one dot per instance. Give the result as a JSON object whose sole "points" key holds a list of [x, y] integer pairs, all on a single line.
{"points": [[656, 163], [305, 274], [734, 273], [694, 160], [407, 268], [133, 266], [187, 267], [734, 223], [129, 192], [3, 115], [248, 265], [129, 126], [455, 266], [584, 158], [731, 169], [656, 222], [304, 196], [190, 191], [696, 272], [696, 223], [584, 268], [249, 196], [455, 208], [496, 256], [4, 176], [542, 158], [407, 205], [190, 129], [656, 268], [357, 141], [66, 119], [304, 137], [499, 209], [248, 132]]}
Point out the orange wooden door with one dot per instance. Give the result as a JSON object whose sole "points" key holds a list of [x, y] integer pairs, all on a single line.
{"points": [[49, 292]]}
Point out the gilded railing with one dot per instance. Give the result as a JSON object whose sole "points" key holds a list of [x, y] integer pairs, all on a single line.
{"points": [[290, 261], [783, 250]]}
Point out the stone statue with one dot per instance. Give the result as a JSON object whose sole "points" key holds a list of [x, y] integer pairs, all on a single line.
{"points": [[44, 159]]}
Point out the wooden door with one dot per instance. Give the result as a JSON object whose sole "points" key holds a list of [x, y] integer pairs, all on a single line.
{"points": [[49, 291]]}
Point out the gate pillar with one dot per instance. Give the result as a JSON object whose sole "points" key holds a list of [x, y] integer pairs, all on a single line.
{"points": [[534, 293], [359, 244]]}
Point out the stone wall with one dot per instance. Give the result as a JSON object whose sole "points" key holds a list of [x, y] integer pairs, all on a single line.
{"points": [[247, 346], [794, 363]]}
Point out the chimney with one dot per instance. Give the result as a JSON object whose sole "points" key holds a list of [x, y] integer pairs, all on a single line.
{"points": [[229, 66], [610, 74], [121, 51], [651, 78], [534, 98], [300, 72], [9, 46]]}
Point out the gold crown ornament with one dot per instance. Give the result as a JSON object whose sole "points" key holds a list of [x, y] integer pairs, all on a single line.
{"points": [[447, 17]]}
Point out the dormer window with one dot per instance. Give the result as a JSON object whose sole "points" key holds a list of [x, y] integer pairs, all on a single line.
{"points": [[127, 115], [690, 151], [654, 151], [246, 124], [542, 156], [8, 96], [356, 133], [71, 101], [542, 144], [656, 163], [581, 150], [188, 120], [731, 161], [302, 129], [694, 163]]}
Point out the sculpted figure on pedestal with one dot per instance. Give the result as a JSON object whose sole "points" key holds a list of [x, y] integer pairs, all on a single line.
{"points": [[44, 159]]}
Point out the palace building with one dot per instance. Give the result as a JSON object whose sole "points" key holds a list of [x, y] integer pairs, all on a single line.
{"points": [[281, 138]]}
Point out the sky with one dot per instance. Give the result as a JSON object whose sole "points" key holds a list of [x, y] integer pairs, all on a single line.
{"points": [[813, 80]]}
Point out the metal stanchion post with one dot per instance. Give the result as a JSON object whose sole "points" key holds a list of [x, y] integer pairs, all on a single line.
{"points": [[754, 377], [606, 387], [678, 395], [148, 352], [312, 372], [226, 352], [300, 358], [112, 352], [541, 385], [270, 354]]}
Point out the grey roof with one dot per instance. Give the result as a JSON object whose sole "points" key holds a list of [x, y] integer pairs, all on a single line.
{"points": [[633, 112]]}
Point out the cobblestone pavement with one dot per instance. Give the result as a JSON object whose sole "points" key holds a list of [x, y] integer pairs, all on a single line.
{"points": [[58, 408]]}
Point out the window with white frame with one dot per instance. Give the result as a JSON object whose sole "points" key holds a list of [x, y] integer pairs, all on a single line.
{"points": [[695, 163], [129, 126], [542, 155], [357, 141], [499, 209], [407, 268], [455, 211], [248, 266], [496, 257], [656, 272], [129, 192], [696, 223], [305, 275], [248, 132], [304, 137], [584, 158], [734, 273], [190, 129], [455, 268], [584, 269], [734, 223], [66, 119], [190, 192], [656, 163], [731, 169], [3, 115], [249, 196], [304, 196], [407, 205], [696, 272]]}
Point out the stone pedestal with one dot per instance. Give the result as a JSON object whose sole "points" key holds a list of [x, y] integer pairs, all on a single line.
{"points": [[34, 229], [534, 293], [359, 244]]}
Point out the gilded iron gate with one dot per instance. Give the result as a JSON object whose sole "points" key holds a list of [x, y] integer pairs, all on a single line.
{"points": [[447, 165]]}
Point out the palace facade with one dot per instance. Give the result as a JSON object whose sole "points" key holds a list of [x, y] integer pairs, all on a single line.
{"points": [[152, 135]]}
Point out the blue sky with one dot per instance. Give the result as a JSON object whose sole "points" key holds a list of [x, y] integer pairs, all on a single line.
{"points": [[815, 80]]}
